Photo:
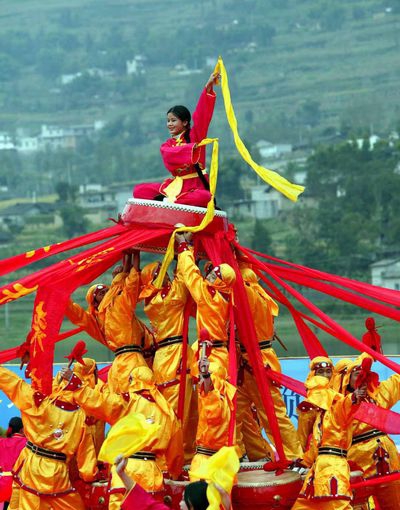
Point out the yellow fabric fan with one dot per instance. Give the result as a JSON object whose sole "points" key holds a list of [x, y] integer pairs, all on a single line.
{"points": [[128, 436], [220, 469]]}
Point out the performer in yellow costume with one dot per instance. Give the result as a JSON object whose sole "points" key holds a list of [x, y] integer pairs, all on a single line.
{"points": [[327, 484], [264, 309], [215, 406], [306, 411], [165, 309], [212, 296], [56, 432], [143, 397], [111, 320], [87, 373], [371, 449]]}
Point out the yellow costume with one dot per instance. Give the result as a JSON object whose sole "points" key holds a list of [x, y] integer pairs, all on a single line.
{"points": [[142, 397], [215, 409], [116, 326], [56, 433], [372, 450], [327, 484], [252, 443], [263, 309], [165, 309], [212, 302], [87, 374], [306, 411]]}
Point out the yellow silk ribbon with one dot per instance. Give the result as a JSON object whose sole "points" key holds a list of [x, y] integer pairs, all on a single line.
{"points": [[291, 191], [219, 469], [169, 255]]}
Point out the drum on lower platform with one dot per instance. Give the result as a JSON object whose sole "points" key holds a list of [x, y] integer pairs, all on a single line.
{"points": [[252, 466], [94, 495], [362, 494], [264, 490], [175, 490]]}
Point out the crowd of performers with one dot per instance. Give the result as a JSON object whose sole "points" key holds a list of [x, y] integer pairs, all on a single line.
{"points": [[65, 430]]}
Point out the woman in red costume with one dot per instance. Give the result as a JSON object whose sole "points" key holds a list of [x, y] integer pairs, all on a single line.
{"points": [[10, 448], [181, 156]]}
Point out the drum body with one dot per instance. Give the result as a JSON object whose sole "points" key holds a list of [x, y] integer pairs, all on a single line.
{"points": [[5, 486], [94, 495], [263, 490], [252, 466], [175, 490], [151, 212], [361, 494]]}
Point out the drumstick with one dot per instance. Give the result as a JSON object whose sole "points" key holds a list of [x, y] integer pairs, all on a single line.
{"points": [[276, 337]]}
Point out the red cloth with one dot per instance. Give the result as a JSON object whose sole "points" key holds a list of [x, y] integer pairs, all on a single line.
{"points": [[10, 448], [54, 285], [139, 498]]}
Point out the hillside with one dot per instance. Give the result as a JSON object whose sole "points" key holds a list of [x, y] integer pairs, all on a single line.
{"points": [[295, 66]]}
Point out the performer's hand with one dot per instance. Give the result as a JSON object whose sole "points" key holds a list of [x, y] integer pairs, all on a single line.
{"points": [[180, 237], [120, 465], [66, 374], [118, 269], [225, 498], [24, 359], [212, 80], [360, 394], [204, 365]]}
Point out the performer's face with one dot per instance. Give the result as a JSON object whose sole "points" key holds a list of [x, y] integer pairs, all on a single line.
{"points": [[99, 295], [324, 372], [353, 378], [175, 126]]}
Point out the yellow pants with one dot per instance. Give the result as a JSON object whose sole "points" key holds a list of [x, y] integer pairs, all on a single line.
{"points": [[315, 504], [248, 393], [24, 500]]}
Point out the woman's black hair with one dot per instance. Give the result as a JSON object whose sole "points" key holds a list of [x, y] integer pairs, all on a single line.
{"points": [[195, 495], [15, 425], [183, 114]]}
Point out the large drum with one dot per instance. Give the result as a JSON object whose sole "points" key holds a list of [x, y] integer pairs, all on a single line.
{"points": [[264, 490], [362, 494], [94, 495], [175, 490], [252, 466], [166, 214]]}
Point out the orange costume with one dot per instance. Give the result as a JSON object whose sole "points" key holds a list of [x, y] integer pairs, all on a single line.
{"points": [[308, 412], [263, 309], [56, 432], [372, 450], [165, 309], [87, 374], [215, 409], [142, 397], [212, 302], [116, 326], [327, 484]]}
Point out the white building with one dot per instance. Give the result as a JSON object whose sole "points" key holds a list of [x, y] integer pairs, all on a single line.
{"points": [[264, 202], [6, 142], [386, 273], [269, 150]]}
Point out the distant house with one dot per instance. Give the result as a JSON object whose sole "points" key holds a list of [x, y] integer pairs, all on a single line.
{"points": [[56, 137], [264, 202], [136, 65], [6, 142], [273, 150], [36, 214], [98, 202], [27, 144], [386, 273]]}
